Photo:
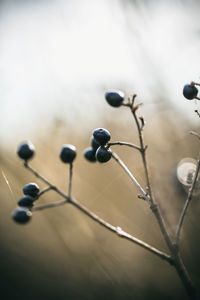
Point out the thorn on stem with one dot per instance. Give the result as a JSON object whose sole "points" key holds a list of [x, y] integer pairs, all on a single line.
{"points": [[141, 118], [141, 197]]}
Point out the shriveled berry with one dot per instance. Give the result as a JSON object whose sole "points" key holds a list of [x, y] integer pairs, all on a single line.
{"points": [[94, 144], [26, 201], [103, 155], [90, 154], [31, 189], [22, 215], [68, 153], [26, 150], [190, 91], [101, 136], [115, 97]]}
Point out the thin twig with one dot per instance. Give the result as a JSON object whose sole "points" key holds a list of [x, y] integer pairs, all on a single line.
{"points": [[143, 153], [120, 232], [178, 264], [50, 205], [124, 144], [96, 218], [70, 180], [187, 202], [44, 191], [132, 177], [53, 187]]}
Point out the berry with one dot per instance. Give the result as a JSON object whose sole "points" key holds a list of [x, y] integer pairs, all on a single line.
{"points": [[68, 153], [26, 150], [190, 91], [22, 215], [115, 98], [26, 201], [103, 155], [94, 144], [89, 154], [31, 189], [101, 136]]}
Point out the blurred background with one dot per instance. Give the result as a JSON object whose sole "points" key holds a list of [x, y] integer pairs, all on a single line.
{"points": [[57, 59]]}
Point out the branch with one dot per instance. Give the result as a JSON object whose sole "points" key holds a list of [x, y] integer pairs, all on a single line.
{"points": [[51, 186], [44, 191], [70, 180], [50, 205], [187, 202], [143, 152], [96, 218], [151, 201], [124, 167], [124, 144]]}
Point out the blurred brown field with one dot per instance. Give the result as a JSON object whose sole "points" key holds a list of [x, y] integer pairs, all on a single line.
{"points": [[62, 254]]}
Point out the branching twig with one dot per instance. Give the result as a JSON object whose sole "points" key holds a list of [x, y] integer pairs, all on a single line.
{"points": [[51, 186], [96, 218]]}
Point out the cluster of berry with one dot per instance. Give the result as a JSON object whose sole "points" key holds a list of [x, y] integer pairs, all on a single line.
{"points": [[99, 150], [31, 190]]}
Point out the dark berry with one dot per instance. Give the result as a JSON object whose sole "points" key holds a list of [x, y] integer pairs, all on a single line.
{"points": [[31, 189], [90, 154], [68, 153], [101, 136], [26, 201], [26, 150], [190, 91], [115, 97], [94, 144], [22, 215], [103, 155]]}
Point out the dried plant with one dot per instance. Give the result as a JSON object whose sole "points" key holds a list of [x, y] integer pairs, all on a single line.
{"points": [[100, 151]]}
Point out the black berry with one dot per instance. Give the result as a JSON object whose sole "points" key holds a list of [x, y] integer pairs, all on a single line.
{"points": [[31, 189], [103, 155], [90, 154], [190, 91], [26, 201], [101, 136], [26, 150], [68, 153], [22, 215], [115, 98], [94, 144]]}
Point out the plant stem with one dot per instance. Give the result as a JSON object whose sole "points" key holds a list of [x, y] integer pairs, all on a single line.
{"points": [[70, 180], [44, 191], [187, 202], [50, 205], [96, 218], [124, 144], [124, 167], [178, 264], [53, 187], [143, 153]]}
